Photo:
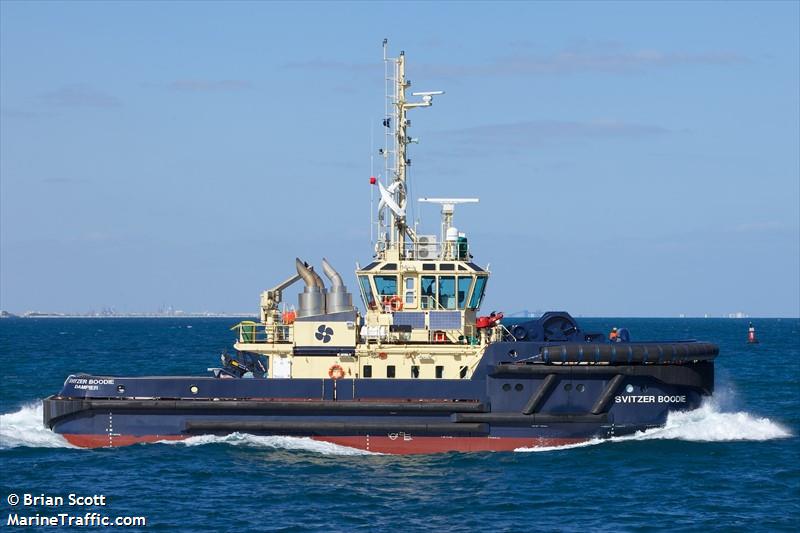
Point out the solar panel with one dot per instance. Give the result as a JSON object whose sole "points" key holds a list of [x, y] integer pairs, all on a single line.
{"points": [[415, 320], [445, 320]]}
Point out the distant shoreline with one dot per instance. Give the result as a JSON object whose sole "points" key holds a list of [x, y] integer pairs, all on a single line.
{"points": [[255, 316], [237, 315]]}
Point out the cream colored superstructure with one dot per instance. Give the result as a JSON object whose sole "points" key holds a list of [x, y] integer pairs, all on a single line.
{"points": [[378, 339], [421, 293]]}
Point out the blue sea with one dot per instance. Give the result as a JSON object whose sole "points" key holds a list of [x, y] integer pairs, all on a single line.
{"points": [[732, 465]]}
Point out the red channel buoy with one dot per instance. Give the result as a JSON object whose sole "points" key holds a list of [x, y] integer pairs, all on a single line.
{"points": [[751, 335]]}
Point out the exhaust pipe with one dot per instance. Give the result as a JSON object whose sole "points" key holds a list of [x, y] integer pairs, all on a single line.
{"points": [[317, 279], [304, 273], [336, 279], [338, 299], [312, 300]]}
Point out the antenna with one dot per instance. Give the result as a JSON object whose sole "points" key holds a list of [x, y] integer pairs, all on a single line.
{"points": [[427, 96], [450, 234], [448, 205], [452, 201], [395, 192], [371, 176]]}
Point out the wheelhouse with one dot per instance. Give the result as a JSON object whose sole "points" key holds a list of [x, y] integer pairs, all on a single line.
{"points": [[388, 287]]}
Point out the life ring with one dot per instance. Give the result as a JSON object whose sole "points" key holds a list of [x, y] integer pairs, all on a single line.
{"points": [[336, 372], [395, 303]]}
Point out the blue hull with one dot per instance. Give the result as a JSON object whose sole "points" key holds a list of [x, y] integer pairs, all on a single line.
{"points": [[501, 407]]}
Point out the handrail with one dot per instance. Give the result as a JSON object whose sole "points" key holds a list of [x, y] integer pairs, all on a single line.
{"points": [[447, 250], [431, 298], [265, 333], [507, 331], [439, 305]]}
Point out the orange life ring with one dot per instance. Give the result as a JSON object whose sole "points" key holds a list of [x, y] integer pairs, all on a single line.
{"points": [[395, 303], [336, 372]]}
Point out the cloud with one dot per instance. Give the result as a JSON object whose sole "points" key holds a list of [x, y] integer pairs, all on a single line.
{"points": [[532, 132], [210, 85], [612, 61], [761, 226], [22, 114], [604, 57], [80, 95], [339, 164], [436, 42], [324, 64], [65, 181]]}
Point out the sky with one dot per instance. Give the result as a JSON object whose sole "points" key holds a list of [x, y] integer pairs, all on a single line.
{"points": [[631, 158]]}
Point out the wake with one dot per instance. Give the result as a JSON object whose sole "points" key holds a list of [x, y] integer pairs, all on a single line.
{"points": [[705, 424], [275, 442], [24, 428]]}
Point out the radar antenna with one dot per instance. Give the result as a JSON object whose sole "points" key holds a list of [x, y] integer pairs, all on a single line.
{"points": [[450, 233]]}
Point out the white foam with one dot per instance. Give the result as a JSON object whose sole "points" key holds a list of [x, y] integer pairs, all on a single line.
{"points": [[583, 444], [272, 442], [705, 424], [25, 428], [708, 424]]}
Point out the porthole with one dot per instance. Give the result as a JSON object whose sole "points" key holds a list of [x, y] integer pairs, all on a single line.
{"points": [[512, 353], [506, 387], [120, 388], [580, 387], [568, 387], [629, 389], [194, 389], [518, 387]]}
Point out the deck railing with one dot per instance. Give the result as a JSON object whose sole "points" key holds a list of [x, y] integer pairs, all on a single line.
{"points": [[253, 333], [437, 250]]}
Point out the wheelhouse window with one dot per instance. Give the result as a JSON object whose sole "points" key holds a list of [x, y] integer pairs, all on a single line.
{"points": [[427, 289], [464, 284], [447, 292], [410, 292], [477, 293], [366, 292], [386, 285]]}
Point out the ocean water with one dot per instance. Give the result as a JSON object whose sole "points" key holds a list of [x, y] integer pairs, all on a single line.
{"points": [[733, 464]]}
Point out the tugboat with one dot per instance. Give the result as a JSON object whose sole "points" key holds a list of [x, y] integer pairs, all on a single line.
{"points": [[419, 371]]}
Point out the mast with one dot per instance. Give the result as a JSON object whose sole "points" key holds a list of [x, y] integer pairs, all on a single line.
{"points": [[394, 195]]}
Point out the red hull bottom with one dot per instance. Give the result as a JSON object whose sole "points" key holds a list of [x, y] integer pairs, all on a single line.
{"points": [[399, 444], [406, 445], [114, 441]]}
